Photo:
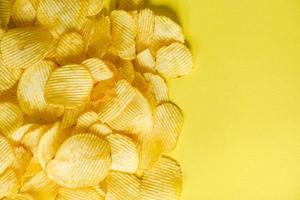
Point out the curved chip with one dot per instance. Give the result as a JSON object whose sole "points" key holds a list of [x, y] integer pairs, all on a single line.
{"points": [[40, 187], [130, 4], [86, 120], [95, 6], [8, 77], [21, 161], [18, 134], [166, 31], [6, 154], [145, 26], [5, 10], [124, 31], [31, 92], [69, 86], [8, 184], [62, 15], [122, 186], [163, 181], [23, 47], [145, 61], [11, 118], [174, 61], [126, 70], [100, 129], [124, 153], [86, 193], [124, 94], [71, 115], [32, 169], [159, 87], [102, 92], [22, 196], [86, 166], [70, 48], [23, 13], [99, 70]]}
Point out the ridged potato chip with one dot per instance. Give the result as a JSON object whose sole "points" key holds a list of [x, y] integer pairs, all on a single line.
{"points": [[100, 129], [166, 32], [23, 47], [86, 166], [31, 89], [23, 13], [71, 115], [130, 4], [163, 181], [40, 187], [86, 193], [174, 61], [5, 10], [159, 88], [95, 6], [21, 161], [124, 153], [124, 31], [99, 70], [103, 91], [145, 26], [32, 169], [69, 86], [8, 77], [70, 48], [6, 154], [126, 70], [122, 186], [18, 134], [11, 118], [62, 15], [22, 196], [145, 61], [8, 184]]}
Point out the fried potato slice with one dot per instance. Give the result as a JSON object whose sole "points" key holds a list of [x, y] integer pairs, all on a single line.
{"points": [[21, 161], [124, 153], [86, 166], [145, 26], [11, 118], [90, 193], [163, 181], [174, 61], [8, 184], [19, 133], [126, 70], [145, 61], [8, 77], [99, 69], [130, 4], [5, 12], [23, 13], [159, 88], [6, 154], [95, 6], [100, 129]]}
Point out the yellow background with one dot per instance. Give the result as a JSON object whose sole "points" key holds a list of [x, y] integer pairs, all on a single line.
{"points": [[241, 139]]}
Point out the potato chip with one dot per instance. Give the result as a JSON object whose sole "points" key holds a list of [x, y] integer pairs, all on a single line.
{"points": [[50, 143], [174, 61], [100, 37], [130, 4], [23, 47], [166, 31], [123, 186], [40, 187], [124, 31], [95, 6], [145, 25], [126, 70], [22, 196], [62, 15], [8, 77], [8, 184], [21, 161], [69, 86], [99, 70], [86, 193], [70, 48], [31, 92], [86, 166], [11, 118], [6, 154], [32, 169], [159, 87], [18, 134], [5, 10], [71, 115], [86, 120], [124, 153], [87, 30], [102, 92], [145, 61], [23, 13], [124, 94], [135, 118], [100, 129]]}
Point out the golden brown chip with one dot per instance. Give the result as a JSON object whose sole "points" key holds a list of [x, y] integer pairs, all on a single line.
{"points": [[40, 187], [86, 120], [130, 4], [71, 115], [23, 13], [99, 70], [18, 134], [100, 129], [31, 92], [86, 166], [69, 86], [166, 31], [174, 61], [124, 153], [103, 91], [95, 6], [11, 118], [86, 193], [123, 186], [32, 169], [5, 10], [124, 31], [126, 70], [6, 154], [163, 181], [70, 48], [8, 184], [145, 61], [8, 77], [159, 88], [23, 47], [22, 196], [21, 161], [145, 25]]}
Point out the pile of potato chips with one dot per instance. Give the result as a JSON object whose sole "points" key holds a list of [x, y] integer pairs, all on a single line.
{"points": [[84, 105]]}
